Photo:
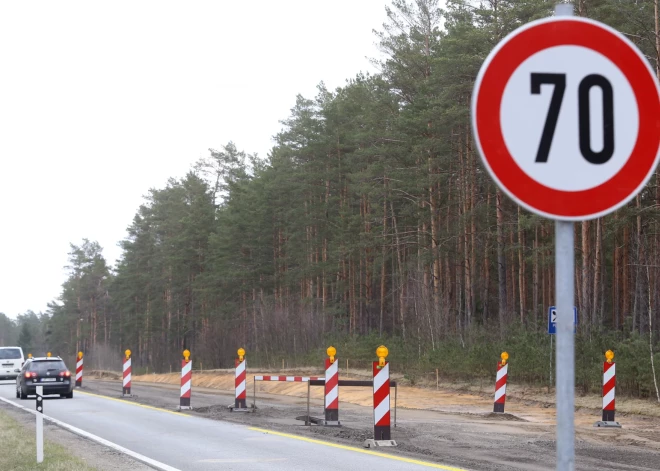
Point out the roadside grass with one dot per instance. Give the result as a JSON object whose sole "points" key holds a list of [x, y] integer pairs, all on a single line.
{"points": [[19, 450]]}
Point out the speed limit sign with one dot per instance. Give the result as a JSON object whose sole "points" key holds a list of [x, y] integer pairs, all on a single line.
{"points": [[566, 117]]}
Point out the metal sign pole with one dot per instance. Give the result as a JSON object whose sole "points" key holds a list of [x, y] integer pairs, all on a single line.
{"points": [[565, 356], [565, 352]]}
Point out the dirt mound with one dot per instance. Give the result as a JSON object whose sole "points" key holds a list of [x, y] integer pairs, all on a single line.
{"points": [[103, 374], [503, 416]]}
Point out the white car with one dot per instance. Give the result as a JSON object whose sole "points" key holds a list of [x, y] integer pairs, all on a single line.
{"points": [[11, 362]]}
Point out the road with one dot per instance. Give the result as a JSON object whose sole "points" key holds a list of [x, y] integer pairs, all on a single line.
{"points": [[187, 442], [455, 429]]}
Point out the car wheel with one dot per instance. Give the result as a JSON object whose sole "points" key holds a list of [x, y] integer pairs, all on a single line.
{"points": [[18, 395], [23, 396], [70, 395]]}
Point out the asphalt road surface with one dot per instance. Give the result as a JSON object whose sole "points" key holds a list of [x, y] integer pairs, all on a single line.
{"points": [[186, 442]]}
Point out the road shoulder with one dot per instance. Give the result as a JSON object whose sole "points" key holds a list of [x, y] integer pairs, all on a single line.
{"points": [[91, 453]]}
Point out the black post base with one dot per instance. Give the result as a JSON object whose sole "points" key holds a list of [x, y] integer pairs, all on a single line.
{"points": [[79, 384], [382, 432], [240, 404], [184, 402], [332, 415], [608, 416], [127, 391], [498, 407]]}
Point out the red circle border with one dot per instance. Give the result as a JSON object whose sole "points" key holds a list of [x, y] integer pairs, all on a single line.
{"points": [[537, 197]]}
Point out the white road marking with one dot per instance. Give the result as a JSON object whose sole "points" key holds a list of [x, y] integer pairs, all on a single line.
{"points": [[144, 459]]}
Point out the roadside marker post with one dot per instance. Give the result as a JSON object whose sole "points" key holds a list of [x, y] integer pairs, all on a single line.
{"points": [[500, 383], [40, 424], [79, 370], [240, 403], [331, 403], [126, 380], [381, 388], [562, 152], [186, 381], [609, 383]]}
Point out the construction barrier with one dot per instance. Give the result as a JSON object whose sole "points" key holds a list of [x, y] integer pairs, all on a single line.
{"points": [[186, 381], [331, 396], [79, 370], [240, 375], [296, 379], [126, 383], [319, 381], [381, 371], [609, 383], [500, 383]]}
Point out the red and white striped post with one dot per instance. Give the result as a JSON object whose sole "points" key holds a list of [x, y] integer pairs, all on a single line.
{"points": [[240, 382], [331, 388], [609, 383], [186, 381], [79, 370], [381, 370], [127, 374], [500, 383]]}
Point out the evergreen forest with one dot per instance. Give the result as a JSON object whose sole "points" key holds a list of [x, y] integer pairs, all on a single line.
{"points": [[372, 220]]}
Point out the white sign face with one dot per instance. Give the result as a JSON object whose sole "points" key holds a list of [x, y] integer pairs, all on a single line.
{"points": [[566, 118], [588, 93]]}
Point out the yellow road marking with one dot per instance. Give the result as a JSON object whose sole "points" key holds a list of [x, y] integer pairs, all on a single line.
{"points": [[240, 460], [133, 403], [351, 448]]}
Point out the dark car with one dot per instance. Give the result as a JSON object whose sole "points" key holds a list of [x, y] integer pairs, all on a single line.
{"points": [[49, 372]]}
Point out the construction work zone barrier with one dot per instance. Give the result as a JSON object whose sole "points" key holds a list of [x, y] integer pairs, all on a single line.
{"points": [[126, 380], [317, 381], [500, 383], [381, 387], [79, 370], [285, 379], [239, 383], [609, 383], [186, 381], [296, 379], [331, 396]]}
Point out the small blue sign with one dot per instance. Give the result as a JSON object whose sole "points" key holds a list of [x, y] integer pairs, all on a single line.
{"points": [[552, 319]]}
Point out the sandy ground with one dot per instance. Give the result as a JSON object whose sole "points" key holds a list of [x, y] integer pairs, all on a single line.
{"points": [[91, 453], [446, 426]]}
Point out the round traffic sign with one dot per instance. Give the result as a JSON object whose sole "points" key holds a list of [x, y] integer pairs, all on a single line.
{"points": [[566, 117]]}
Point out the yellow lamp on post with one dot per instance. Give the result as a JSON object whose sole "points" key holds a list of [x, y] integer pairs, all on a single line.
{"points": [[504, 356], [29, 355], [186, 355], [48, 354], [609, 355], [80, 355], [381, 353], [331, 351], [241, 354], [127, 353]]}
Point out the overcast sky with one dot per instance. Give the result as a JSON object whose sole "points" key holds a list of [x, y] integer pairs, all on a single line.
{"points": [[100, 101]]}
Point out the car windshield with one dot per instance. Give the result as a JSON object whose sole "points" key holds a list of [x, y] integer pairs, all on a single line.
{"points": [[10, 354], [49, 366]]}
